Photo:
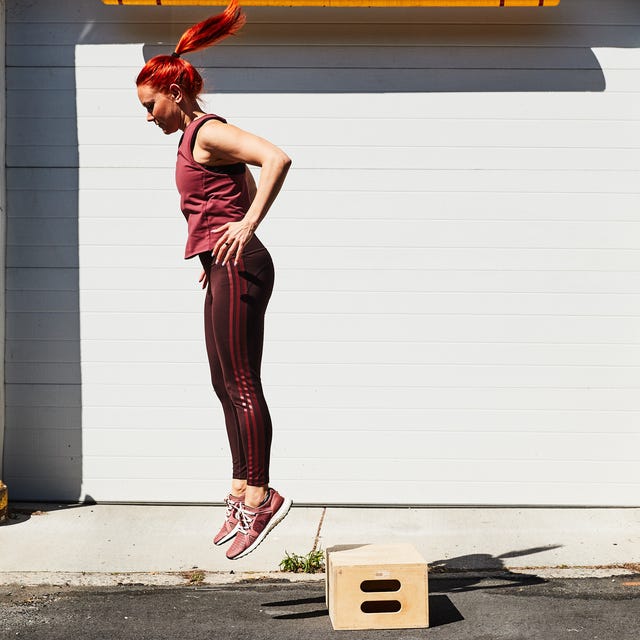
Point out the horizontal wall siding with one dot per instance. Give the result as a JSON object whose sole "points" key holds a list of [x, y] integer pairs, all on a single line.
{"points": [[457, 247]]}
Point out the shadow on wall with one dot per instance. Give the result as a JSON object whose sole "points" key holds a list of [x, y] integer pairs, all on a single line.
{"points": [[472, 50], [43, 436], [419, 69], [318, 50]]}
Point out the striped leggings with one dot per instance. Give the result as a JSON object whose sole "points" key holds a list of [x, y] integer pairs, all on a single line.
{"points": [[234, 309]]}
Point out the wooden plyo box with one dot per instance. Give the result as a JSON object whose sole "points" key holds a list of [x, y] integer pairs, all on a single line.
{"points": [[377, 586]]}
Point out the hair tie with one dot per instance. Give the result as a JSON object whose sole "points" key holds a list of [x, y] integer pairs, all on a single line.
{"points": [[175, 55]]}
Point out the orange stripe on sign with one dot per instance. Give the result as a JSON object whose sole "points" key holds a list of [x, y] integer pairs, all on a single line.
{"points": [[347, 3]]}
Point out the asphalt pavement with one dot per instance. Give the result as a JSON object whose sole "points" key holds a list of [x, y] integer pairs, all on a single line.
{"points": [[513, 607]]}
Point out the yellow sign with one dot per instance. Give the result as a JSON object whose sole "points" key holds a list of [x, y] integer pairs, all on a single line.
{"points": [[4, 501], [348, 3]]}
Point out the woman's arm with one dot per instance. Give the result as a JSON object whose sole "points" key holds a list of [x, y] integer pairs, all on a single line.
{"points": [[251, 185], [220, 143]]}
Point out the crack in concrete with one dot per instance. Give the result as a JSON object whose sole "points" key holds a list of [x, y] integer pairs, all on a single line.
{"points": [[319, 530]]}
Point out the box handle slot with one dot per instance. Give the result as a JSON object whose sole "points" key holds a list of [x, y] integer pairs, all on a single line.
{"points": [[380, 606], [380, 586]]}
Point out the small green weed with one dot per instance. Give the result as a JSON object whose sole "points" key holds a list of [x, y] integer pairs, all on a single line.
{"points": [[313, 562]]}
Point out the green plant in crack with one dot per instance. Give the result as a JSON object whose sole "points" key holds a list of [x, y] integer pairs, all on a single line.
{"points": [[312, 562]]}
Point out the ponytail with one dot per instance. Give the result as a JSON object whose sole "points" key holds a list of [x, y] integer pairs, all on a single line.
{"points": [[211, 30], [164, 70]]}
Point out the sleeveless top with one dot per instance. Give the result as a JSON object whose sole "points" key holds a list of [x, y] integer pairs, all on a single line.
{"points": [[209, 196]]}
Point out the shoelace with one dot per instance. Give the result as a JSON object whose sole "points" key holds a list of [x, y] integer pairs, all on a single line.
{"points": [[245, 518], [232, 505]]}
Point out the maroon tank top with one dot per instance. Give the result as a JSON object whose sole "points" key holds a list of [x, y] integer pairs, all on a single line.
{"points": [[209, 196]]}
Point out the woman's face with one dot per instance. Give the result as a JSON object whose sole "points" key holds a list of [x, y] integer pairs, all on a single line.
{"points": [[162, 108]]}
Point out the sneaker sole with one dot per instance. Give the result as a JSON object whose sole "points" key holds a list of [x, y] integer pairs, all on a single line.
{"points": [[278, 517], [232, 534]]}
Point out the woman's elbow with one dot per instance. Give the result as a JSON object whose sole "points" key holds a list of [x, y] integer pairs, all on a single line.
{"points": [[277, 161], [285, 161]]}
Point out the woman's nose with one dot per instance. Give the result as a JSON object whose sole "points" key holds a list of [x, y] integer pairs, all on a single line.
{"points": [[150, 117]]}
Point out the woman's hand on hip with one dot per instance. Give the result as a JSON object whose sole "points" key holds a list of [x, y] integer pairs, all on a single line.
{"points": [[232, 242]]}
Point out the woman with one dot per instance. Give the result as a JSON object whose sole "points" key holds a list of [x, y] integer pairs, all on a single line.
{"points": [[223, 207]]}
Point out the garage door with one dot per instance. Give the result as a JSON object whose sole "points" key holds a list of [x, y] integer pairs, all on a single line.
{"points": [[455, 319]]}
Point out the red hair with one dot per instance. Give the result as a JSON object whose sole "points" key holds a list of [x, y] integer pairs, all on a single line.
{"points": [[164, 70]]}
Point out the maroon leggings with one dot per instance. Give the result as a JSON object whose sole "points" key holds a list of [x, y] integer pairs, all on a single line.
{"points": [[234, 310]]}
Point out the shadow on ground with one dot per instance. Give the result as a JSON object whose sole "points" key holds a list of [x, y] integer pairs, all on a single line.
{"points": [[20, 512], [485, 571], [441, 610]]}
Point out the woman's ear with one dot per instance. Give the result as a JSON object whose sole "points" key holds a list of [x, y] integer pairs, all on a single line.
{"points": [[175, 91]]}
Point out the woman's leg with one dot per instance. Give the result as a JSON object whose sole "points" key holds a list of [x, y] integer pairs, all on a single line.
{"points": [[239, 462], [239, 297], [239, 301]]}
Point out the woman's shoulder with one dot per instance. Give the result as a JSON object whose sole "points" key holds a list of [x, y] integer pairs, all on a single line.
{"points": [[206, 123], [193, 129], [208, 117]]}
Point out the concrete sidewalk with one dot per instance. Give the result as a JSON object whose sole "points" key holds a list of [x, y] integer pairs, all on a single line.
{"points": [[115, 544]]}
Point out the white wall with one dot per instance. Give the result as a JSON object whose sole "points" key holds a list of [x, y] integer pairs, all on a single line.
{"points": [[456, 310]]}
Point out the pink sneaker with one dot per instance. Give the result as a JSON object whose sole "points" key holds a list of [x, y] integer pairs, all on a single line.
{"points": [[231, 524], [256, 524]]}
